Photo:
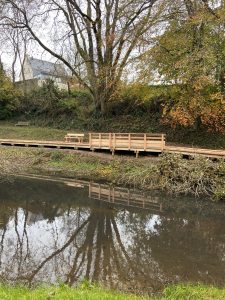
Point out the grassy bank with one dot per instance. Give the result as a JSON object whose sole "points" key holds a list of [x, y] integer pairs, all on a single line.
{"points": [[64, 292], [170, 173], [55, 130], [179, 292], [10, 131], [191, 292]]}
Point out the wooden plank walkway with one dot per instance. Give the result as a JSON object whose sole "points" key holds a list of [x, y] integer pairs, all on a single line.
{"points": [[195, 151], [42, 144], [135, 142]]}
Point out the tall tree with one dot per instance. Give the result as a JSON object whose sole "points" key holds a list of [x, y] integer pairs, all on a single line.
{"points": [[190, 55], [101, 35]]}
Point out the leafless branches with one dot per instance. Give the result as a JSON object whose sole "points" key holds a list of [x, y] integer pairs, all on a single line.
{"points": [[102, 35]]}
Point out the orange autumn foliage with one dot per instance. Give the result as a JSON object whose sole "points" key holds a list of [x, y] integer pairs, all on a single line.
{"points": [[209, 110]]}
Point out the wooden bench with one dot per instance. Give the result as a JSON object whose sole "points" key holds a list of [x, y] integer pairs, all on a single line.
{"points": [[74, 137], [23, 124]]}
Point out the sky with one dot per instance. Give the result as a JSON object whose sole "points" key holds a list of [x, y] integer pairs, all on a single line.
{"points": [[34, 50]]}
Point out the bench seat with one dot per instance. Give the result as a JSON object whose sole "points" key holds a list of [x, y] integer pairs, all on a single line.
{"points": [[22, 124], [73, 137]]}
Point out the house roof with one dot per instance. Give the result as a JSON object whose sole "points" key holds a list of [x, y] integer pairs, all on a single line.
{"points": [[46, 68]]}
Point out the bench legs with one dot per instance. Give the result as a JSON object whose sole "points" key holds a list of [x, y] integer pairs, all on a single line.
{"points": [[74, 140]]}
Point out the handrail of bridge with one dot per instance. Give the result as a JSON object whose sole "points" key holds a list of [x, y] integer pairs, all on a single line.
{"points": [[127, 141]]}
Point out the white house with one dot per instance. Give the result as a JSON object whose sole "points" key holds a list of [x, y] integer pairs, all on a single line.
{"points": [[40, 70]]}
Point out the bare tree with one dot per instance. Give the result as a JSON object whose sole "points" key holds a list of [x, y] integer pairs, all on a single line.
{"points": [[103, 35], [15, 43]]}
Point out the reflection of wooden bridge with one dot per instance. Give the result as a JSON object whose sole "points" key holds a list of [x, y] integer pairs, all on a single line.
{"points": [[107, 193], [135, 142], [1, 221], [123, 196]]}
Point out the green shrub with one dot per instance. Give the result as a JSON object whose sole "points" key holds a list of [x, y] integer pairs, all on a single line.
{"points": [[57, 155], [49, 102], [9, 96]]}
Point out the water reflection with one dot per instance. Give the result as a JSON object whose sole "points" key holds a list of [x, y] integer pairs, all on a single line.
{"points": [[65, 231]]}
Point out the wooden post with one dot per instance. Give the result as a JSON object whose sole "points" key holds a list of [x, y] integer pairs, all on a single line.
{"points": [[129, 137], [90, 190], [109, 194], [90, 139], [113, 195], [128, 202], [163, 139], [99, 192], [114, 141], [110, 141], [145, 142], [161, 207], [100, 140]]}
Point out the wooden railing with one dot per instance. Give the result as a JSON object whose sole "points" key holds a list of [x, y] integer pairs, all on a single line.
{"points": [[123, 196], [127, 141]]}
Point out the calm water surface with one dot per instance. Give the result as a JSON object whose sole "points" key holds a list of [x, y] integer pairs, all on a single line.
{"points": [[66, 231]]}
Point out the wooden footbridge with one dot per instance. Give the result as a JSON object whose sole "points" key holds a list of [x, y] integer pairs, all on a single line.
{"points": [[135, 142]]}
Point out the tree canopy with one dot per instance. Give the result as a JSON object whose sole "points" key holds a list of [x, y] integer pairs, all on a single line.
{"points": [[190, 54]]}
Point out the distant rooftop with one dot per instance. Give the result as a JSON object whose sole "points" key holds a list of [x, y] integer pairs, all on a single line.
{"points": [[46, 68]]}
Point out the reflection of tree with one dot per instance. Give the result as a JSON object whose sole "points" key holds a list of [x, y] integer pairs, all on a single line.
{"points": [[193, 247], [102, 254], [5, 214], [31, 276], [93, 248], [2, 243], [22, 240], [189, 249], [130, 249]]}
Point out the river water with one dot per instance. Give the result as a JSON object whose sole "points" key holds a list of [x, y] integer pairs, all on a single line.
{"points": [[65, 231]]}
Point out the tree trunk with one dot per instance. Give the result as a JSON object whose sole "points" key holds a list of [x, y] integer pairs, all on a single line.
{"points": [[104, 93], [104, 107], [101, 101]]}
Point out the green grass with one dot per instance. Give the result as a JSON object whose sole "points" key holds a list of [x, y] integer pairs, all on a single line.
{"points": [[181, 136], [88, 292], [191, 292], [10, 131], [63, 293], [170, 173]]}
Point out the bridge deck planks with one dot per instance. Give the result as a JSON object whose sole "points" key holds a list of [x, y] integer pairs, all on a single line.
{"points": [[44, 144], [137, 145], [195, 151]]}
